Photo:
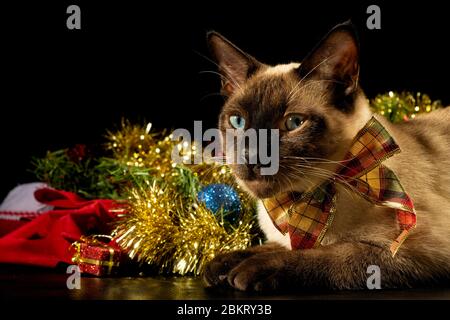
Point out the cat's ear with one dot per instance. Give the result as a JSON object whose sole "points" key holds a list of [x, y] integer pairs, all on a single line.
{"points": [[335, 58], [235, 66]]}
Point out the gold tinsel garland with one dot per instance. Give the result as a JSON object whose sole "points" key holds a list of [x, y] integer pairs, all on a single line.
{"points": [[165, 225], [162, 230], [403, 106]]}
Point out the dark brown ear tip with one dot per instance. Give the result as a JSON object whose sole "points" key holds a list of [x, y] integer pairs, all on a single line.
{"points": [[347, 26], [348, 23], [211, 38], [210, 35]]}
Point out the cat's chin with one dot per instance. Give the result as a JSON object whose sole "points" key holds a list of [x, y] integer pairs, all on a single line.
{"points": [[259, 188]]}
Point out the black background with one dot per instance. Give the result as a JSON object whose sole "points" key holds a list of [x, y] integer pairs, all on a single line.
{"points": [[146, 61]]}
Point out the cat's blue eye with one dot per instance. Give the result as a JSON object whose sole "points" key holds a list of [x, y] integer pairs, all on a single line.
{"points": [[294, 122], [237, 122]]}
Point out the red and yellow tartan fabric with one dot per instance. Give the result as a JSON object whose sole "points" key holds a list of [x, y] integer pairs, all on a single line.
{"points": [[307, 217]]}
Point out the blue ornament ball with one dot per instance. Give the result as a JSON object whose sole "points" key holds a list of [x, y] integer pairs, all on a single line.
{"points": [[218, 195]]}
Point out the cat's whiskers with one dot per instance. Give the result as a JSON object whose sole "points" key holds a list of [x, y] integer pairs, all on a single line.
{"points": [[326, 178], [332, 173], [305, 176], [323, 170], [280, 187], [288, 180], [313, 160], [311, 165], [327, 175]]}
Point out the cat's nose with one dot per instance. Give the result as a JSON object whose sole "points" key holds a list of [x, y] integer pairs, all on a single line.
{"points": [[250, 156], [255, 168], [252, 161]]}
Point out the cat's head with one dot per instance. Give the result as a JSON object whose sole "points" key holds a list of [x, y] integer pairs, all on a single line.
{"points": [[317, 105]]}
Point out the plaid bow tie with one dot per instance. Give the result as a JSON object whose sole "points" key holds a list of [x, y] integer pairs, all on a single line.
{"points": [[308, 216]]}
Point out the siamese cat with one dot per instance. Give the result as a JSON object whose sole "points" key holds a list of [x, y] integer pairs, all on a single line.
{"points": [[319, 107]]}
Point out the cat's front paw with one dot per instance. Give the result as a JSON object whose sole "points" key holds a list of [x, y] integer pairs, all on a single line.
{"points": [[216, 271], [261, 272]]}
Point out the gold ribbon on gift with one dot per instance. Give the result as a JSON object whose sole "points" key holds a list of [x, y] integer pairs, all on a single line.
{"points": [[94, 241]]}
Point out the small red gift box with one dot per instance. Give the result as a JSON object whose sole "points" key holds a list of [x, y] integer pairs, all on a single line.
{"points": [[96, 257]]}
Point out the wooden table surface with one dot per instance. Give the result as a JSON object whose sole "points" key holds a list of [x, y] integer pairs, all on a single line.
{"points": [[17, 282]]}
